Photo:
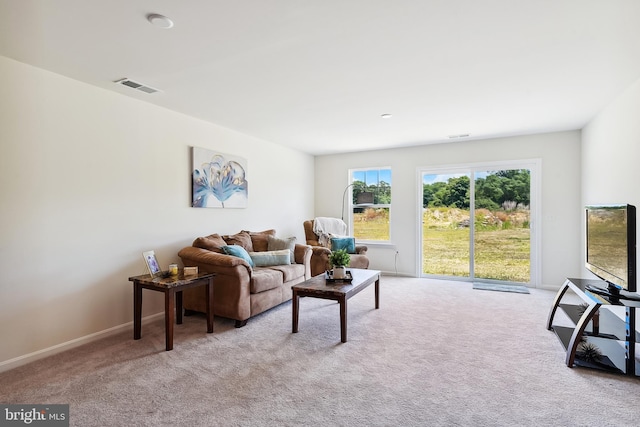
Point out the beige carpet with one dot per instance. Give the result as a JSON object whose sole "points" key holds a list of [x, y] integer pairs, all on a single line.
{"points": [[435, 354]]}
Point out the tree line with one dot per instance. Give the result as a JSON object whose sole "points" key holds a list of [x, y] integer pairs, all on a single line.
{"points": [[381, 192], [498, 189], [492, 192]]}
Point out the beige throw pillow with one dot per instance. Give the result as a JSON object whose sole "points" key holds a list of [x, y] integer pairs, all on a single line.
{"points": [[276, 244]]}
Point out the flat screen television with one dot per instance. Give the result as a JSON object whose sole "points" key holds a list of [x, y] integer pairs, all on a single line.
{"points": [[611, 246]]}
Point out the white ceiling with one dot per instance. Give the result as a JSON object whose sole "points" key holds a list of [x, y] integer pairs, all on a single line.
{"points": [[316, 75]]}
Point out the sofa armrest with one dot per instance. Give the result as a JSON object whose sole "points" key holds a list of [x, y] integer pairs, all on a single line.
{"points": [[361, 249], [302, 255], [320, 251], [213, 262], [319, 260]]}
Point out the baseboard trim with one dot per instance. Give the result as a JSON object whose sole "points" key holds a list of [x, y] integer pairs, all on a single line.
{"points": [[59, 348], [395, 273]]}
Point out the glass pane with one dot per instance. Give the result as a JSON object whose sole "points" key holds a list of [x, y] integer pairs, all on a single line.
{"points": [[502, 236], [445, 225], [371, 223], [371, 203]]}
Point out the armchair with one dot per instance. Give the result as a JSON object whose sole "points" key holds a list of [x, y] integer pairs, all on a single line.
{"points": [[320, 254]]}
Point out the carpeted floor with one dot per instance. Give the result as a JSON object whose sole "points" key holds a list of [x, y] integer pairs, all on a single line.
{"points": [[436, 353]]}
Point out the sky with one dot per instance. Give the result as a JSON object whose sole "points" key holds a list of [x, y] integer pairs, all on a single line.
{"points": [[373, 176]]}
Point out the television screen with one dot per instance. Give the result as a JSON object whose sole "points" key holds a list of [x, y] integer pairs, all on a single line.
{"points": [[611, 244]]}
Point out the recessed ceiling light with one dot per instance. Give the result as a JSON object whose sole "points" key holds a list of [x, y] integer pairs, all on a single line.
{"points": [[160, 21], [386, 116]]}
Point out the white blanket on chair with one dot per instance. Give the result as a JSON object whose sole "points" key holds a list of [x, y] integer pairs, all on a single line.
{"points": [[326, 228]]}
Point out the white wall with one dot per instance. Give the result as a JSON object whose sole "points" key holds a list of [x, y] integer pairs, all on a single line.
{"points": [[611, 149], [560, 193], [89, 179], [610, 154]]}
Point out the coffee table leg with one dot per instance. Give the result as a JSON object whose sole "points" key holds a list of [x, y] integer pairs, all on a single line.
{"points": [[343, 319], [137, 310], [169, 317], [295, 307], [378, 292]]}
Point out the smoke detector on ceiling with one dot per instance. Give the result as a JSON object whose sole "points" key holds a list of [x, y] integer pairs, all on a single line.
{"points": [[135, 85]]}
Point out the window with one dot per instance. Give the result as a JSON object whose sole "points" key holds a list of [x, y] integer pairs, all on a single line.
{"points": [[371, 204]]}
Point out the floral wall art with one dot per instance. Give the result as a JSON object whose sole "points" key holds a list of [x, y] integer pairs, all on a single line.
{"points": [[219, 180]]}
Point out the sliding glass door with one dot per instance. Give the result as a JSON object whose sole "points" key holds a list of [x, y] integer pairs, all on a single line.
{"points": [[476, 223], [445, 224], [502, 237]]}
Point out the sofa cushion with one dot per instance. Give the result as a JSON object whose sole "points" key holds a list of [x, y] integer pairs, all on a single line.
{"points": [[238, 251], [259, 239], [267, 258], [290, 272], [276, 244], [212, 242], [263, 279], [346, 243], [240, 239]]}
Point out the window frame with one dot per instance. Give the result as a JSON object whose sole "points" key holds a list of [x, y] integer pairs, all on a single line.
{"points": [[351, 205]]}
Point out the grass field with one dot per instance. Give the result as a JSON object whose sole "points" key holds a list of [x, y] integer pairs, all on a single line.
{"points": [[372, 224], [502, 244], [501, 248], [499, 254]]}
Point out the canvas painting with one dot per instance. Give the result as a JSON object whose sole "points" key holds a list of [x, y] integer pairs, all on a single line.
{"points": [[219, 180]]}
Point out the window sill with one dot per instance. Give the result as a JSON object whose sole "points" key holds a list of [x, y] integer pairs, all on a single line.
{"points": [[374, 244]]}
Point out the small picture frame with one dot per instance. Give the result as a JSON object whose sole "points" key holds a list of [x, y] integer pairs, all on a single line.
{"points": [[153, 266]]}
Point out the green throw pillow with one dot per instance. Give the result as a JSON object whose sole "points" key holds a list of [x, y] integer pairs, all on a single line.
{"points": [[238, 251], [347, 243]]}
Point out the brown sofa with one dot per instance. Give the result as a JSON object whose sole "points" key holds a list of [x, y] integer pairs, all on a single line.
{"points": [[242, 291], [320, 256]]}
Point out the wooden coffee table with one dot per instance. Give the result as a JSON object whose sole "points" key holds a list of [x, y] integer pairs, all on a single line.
{"points": [[318, 287], [172, 288]]}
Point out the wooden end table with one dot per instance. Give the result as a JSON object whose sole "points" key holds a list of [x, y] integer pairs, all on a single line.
{"points": [[172, 288], [318, 287]]}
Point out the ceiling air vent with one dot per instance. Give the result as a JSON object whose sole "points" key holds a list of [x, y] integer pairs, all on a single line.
{"points": [[137, 86]]}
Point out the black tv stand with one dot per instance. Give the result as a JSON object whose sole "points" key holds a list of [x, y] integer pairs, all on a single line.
{"points": [[607, 292], [593, 321], [611, 292]]}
